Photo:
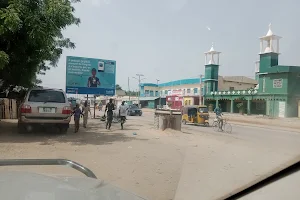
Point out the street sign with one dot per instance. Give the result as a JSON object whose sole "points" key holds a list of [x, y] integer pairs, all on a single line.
{"points": [[90, 76]]}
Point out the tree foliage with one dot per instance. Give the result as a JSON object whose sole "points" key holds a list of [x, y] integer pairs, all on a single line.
{"points": [[131, 93], [118, 87], [31, 39]]}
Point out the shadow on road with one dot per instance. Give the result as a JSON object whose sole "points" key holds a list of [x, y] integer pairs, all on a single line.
{"points": [[94, 134]]}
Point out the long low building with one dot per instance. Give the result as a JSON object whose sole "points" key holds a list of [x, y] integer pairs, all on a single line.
{"points": [[187, 91]]}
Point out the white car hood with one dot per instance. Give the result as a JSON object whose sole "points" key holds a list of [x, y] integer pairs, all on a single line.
{"points": [[16, 185]]}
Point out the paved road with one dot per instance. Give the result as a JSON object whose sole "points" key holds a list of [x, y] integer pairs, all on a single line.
{"points": [[218, 163], [196, 163], [265, 136]]}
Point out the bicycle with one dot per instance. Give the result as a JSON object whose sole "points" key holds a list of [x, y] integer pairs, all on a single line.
{"points": [[225, 128]]}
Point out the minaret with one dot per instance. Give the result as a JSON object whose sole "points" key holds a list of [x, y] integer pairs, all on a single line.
{"points": [[211, 70], [269, 51], [256, 70]]}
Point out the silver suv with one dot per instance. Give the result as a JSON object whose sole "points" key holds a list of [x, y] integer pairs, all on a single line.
{"points": [[44, 107]]}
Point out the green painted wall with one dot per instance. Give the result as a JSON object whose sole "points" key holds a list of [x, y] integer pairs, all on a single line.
{"points": [[258, 109], [277, 83], [293, 94], [151, 104], [267, 60], [208, 87], [293, 84], [257, 76], [269, 80], [211, 72], [292, 108], [272, 108]]}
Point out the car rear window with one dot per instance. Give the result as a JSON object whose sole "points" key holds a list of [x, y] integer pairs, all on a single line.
{"points": [[134, 107], [46, 96]]}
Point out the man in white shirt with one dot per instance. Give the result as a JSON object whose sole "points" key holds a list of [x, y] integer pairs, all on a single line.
{"points": [[122, 113]]}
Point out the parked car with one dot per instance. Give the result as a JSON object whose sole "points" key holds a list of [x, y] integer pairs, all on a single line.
{"points": [[133, 110], [24, 185], [44, 107]]}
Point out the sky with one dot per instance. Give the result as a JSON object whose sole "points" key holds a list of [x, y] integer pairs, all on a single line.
{"points": [[166, 39]]}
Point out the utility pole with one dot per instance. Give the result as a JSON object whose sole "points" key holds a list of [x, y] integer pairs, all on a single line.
{"points": [[138, 78], [129, 89], [200, 91], [159, 101]]}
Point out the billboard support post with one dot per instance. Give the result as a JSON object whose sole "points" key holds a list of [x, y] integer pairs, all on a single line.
{"points": [[94, 106]]}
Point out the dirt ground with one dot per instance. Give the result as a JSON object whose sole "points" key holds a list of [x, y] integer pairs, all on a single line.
{"points": [[155, 164], [137, 159]]}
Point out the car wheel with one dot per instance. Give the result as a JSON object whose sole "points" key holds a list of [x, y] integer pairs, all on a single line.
{"points": [[140, 114], [21, 129], [63, 130]]}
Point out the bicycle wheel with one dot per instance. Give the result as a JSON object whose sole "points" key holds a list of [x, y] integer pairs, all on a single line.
{"points": [[215, 126], [227, 128]]}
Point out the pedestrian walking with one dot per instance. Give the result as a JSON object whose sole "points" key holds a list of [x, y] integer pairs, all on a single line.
{"points": [[109, 108], [77, 113], [122, 113], [100, 106], [86, 111]]}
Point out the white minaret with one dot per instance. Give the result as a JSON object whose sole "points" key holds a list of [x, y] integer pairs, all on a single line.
{"points": [[211, 55], [270, 42]]}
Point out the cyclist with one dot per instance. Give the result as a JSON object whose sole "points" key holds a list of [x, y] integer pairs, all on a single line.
{"points": [[218, 111]]}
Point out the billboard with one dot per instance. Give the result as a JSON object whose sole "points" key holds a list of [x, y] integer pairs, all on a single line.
{"points": [[90, 76]]}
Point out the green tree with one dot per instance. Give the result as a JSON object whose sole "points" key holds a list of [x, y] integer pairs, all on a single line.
{"points": [[118, 87], [131, 93], [31, 39]]}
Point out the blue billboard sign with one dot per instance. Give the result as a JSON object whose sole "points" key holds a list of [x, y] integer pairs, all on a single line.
{"points": [[90, 76]]}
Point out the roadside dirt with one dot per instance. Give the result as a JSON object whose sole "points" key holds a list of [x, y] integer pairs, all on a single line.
{"points": [[137, 159], [151, 163]]}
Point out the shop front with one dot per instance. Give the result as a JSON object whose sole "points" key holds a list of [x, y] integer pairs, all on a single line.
{"points": [[174, 102]]}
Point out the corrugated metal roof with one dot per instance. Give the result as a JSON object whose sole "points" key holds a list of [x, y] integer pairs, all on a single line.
{"points": [[181, 82], [149, 84]]}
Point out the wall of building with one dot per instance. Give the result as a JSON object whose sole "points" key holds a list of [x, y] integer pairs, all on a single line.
{"points": [[188, 101], [186, 90], [224, 85], [293, 83], [189, 87], [268, 86], [151, 91]]}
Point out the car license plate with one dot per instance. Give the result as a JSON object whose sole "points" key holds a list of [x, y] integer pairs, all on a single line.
{"points": [[47, 110]]}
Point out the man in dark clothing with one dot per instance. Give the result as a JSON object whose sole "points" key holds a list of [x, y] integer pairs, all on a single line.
{"points": [[93, 81], [109, 108], [77, 113]]}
